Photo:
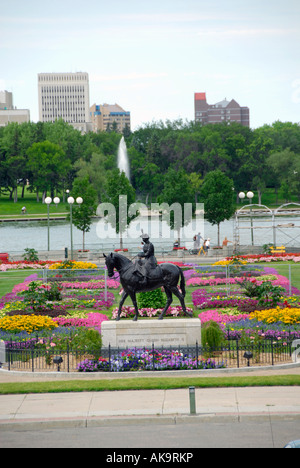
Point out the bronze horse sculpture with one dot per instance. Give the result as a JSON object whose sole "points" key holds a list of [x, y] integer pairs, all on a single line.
{"points": [[166, 275]]}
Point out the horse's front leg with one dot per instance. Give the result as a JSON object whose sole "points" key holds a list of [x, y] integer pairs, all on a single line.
{"points": [[123, 298], [133, 298]]}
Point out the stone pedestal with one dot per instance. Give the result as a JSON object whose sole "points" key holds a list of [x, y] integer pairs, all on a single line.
{"points": [[161, 333]]}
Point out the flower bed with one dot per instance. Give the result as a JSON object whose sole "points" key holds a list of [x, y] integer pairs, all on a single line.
{"points": [[73, 265], [147, 360], [26, 265], [111, 284], [70, 307], [93, 320], [27, 323], [82, 302], [283, 257], [287, 315], [129, 312]]}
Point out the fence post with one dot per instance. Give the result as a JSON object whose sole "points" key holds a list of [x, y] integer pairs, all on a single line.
{"points": [[68, 356], [237, 354], [197, 354], [105, 280], [153, 358], [227, 280], [32, 359], [272, 352], [109, 357]]}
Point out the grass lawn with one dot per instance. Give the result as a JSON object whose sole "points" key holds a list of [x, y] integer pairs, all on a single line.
{"points": [[9, 208], [10, 278], [146, 383], [283, 269]]}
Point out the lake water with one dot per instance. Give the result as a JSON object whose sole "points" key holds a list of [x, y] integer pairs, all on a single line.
{"points": [[16, 236]]}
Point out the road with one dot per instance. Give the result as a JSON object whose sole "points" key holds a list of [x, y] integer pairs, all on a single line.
{"points": [[246, 434]]}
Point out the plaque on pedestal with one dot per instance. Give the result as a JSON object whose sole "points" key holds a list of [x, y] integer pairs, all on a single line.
{"points": [[144, 333]]}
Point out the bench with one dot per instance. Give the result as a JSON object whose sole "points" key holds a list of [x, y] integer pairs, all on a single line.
{"points": [[275, 250]]}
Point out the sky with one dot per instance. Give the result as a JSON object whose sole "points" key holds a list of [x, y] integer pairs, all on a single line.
{"points": [[150, 57]]}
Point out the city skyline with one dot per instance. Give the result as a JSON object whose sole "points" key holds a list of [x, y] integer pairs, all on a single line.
{"points": [[152, 58]]}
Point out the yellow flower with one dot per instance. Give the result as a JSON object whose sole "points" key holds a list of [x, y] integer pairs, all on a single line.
{"points": [[28, 323], [73, 266], [287, 315]]}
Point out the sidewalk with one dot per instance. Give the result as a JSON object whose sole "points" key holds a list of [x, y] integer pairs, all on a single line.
{"points": [[87, 409]]}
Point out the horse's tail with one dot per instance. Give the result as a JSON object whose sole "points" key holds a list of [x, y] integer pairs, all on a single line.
{"points": [[182, 281]]}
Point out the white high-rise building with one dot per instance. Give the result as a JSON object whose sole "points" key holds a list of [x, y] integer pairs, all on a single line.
{"points": [[65, 96]]}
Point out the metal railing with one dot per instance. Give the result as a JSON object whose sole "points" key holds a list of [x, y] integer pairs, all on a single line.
{"points": [[27, 356]]}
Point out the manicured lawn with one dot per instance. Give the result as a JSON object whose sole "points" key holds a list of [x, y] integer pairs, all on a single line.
{"points": [[9, 208], [146, 383], [283, 269], [9, 279]]}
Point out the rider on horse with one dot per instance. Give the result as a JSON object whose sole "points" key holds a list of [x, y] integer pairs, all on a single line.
{"points": [[147, 268]]}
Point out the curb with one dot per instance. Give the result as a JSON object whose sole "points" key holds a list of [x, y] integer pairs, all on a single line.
{"points": [[178, 373], [144, 420]]}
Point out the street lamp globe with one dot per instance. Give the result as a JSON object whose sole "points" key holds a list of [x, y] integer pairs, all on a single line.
{"points": [[71, 200], [56, 200], [242, 195], [79, 200], [250, 195], [48, 200]]}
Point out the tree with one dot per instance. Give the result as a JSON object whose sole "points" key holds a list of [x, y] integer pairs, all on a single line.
{"points": [[49, 166], [94, 170], [120, 193], [286, 167], [177, 190], [196, 183], [218, 197], [82, 215]]}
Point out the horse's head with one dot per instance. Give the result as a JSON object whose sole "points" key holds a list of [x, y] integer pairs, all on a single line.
{"points": [[110, 264]]}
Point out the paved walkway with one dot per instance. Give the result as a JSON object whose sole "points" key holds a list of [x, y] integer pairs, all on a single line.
{"points": [[147, 406]]}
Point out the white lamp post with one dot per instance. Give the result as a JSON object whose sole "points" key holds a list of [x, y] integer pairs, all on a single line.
{"points": [[250, 195], [48, 202], [71, 202]]}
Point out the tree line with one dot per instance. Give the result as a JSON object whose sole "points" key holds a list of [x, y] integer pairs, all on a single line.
{"points": [[171, 161], [50, 156]]}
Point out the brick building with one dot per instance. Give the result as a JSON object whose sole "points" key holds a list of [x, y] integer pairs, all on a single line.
{"points": [[223, 111]]}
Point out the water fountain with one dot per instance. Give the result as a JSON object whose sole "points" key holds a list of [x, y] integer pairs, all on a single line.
{"points": [[123, 162]]}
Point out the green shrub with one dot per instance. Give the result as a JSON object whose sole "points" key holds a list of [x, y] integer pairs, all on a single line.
{"points": [[30, 255], [87, 340], [211, 334], [155, 299]]}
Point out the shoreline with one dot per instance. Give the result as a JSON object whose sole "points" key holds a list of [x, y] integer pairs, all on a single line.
{"points": [[23, 218]]}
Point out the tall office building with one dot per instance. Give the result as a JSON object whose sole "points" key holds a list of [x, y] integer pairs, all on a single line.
{"points": [[65, 96], [223, 111], [9, 113], [106, 116]]}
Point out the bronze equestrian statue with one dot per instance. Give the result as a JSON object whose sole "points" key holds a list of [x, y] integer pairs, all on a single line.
{"points": [[146, 276]]}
